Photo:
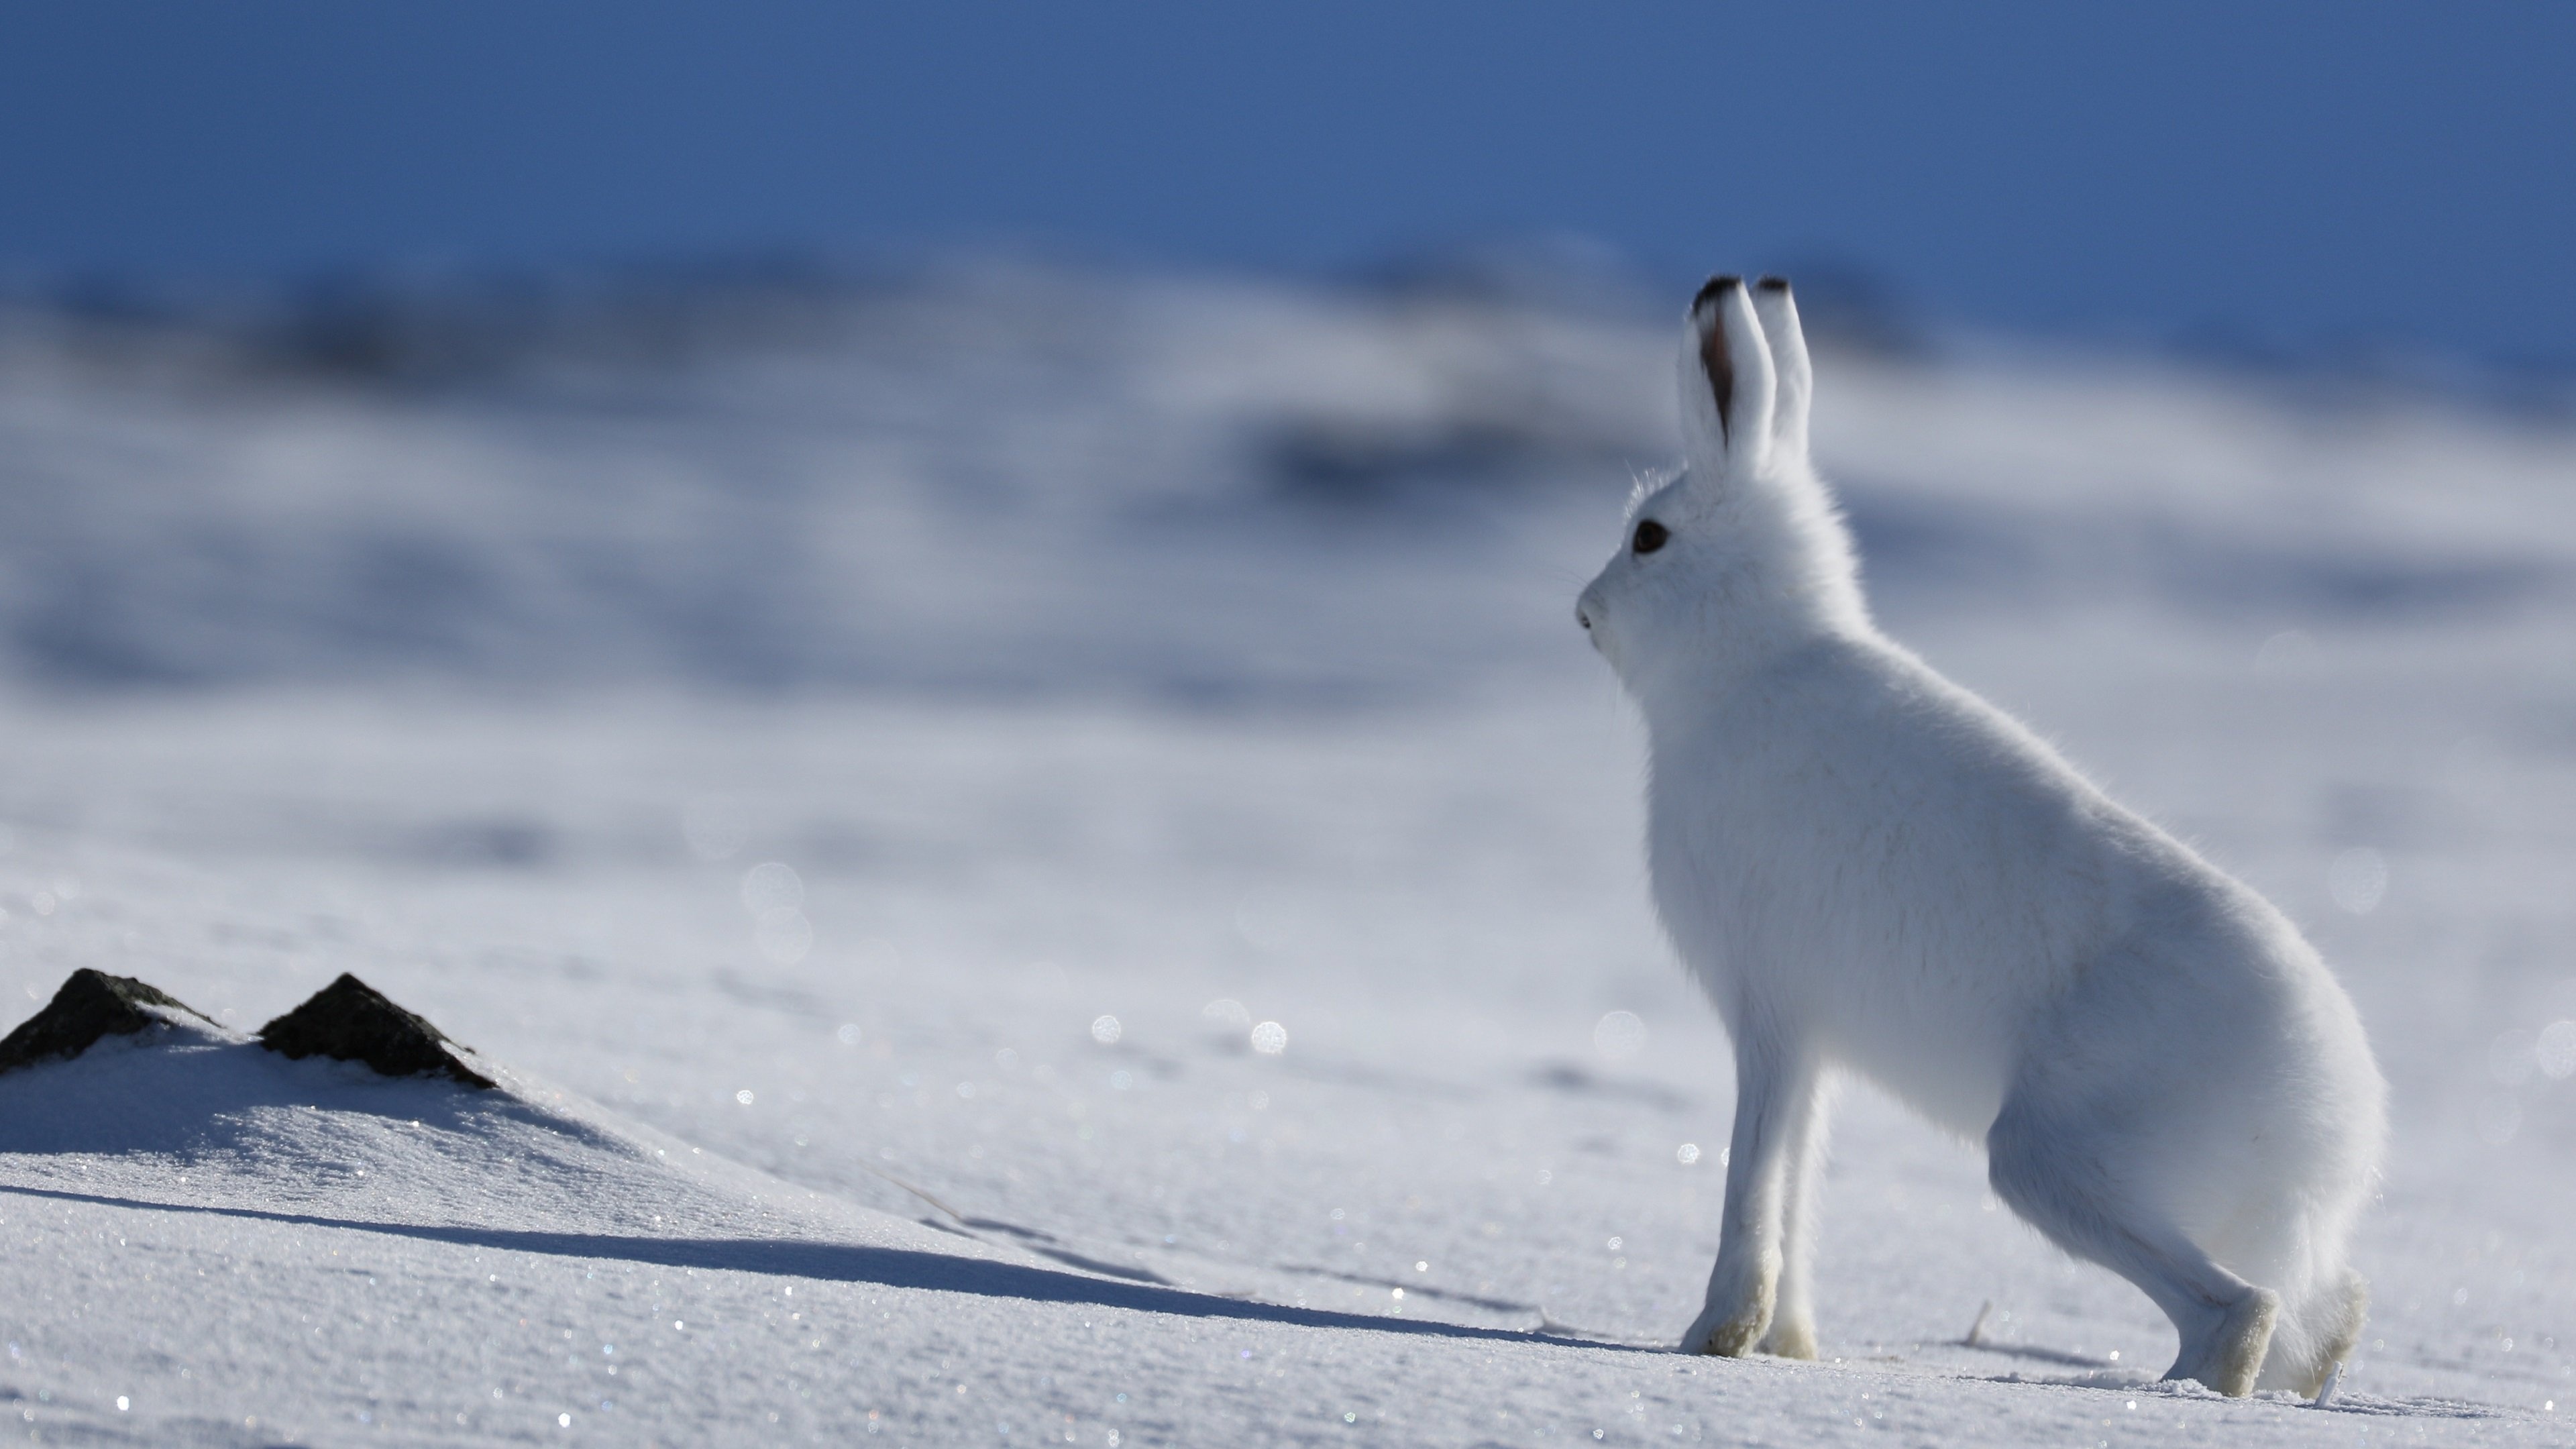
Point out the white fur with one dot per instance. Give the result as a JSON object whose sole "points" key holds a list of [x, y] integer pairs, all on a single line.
{"points": [[1871, 869]]}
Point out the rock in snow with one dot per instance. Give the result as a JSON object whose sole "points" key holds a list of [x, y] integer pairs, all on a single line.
{"points": [[354, 1022], [90, 1005], [347, 1020]]}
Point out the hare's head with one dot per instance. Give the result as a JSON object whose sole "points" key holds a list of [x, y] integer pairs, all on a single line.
{"points": [[1741, 552]]}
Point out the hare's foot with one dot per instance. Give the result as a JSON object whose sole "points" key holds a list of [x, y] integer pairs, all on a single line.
{"points": [[1742, 1293], [2050, 1172], [1792, 1335], [2229, 1353], [2333, 1323], [1793, 1311], [2352, 1305]]}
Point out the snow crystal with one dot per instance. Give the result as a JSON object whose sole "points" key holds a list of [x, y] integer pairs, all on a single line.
{"points": [[2554, 1049], [772, 885], [1619, 1035]]}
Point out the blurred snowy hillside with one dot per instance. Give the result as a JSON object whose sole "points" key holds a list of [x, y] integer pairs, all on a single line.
{"points": [[1004, 478]]}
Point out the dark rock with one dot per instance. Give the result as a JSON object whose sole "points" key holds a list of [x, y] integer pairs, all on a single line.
{"points": [[354, 1022], [91, 1004]]}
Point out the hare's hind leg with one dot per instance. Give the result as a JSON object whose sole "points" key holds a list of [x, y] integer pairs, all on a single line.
{"points": [[2329, 1324], [2052, 1176]]}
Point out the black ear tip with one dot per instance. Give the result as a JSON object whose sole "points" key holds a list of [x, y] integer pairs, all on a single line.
{"points": [[1715, 288], [1773, 284]]}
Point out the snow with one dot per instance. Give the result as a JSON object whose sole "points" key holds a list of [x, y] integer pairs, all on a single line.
{"points": [[1043, 859]]}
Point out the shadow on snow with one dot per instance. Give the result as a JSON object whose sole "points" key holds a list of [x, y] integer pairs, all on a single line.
{"points": [[857, 1263]]}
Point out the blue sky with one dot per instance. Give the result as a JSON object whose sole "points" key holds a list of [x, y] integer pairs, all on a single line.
{"points": [[2305, 175]]}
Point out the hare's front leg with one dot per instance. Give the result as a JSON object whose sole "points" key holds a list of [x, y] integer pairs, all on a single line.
{"points": [[1793, 1317], [1774, 1088]]}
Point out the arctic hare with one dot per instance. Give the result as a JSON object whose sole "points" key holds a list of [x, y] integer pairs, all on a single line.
{"points": [[1871, 869]]}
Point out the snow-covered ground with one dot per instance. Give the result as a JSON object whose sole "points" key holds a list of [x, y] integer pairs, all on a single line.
{"points": [[875, 786]]}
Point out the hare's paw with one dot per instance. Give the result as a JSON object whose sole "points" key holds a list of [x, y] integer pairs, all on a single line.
{"points": [[1790, 1337], [2330, 1325], [2230, 1353], [1732, 1332], [2350, 1311], [1741, 1298]]}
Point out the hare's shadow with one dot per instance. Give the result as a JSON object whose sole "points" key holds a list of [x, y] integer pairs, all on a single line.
{"points": [[192, 1097], [862, 1263]]}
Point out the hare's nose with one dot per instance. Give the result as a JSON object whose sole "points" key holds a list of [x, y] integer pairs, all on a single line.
{"points": [[1581, 617]]}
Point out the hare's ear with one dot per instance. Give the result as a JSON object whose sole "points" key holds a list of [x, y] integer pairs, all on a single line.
{"points": [[1779, 313], [1727, 383]]}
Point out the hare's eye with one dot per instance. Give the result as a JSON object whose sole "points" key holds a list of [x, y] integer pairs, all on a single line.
{"points": [[1650, 536]]}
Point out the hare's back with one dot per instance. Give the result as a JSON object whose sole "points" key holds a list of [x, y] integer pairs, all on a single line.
{"points": [[1864, 844]]}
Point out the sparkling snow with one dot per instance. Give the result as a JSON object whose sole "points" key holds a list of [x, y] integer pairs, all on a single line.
{"points": [[1046, 864]]}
